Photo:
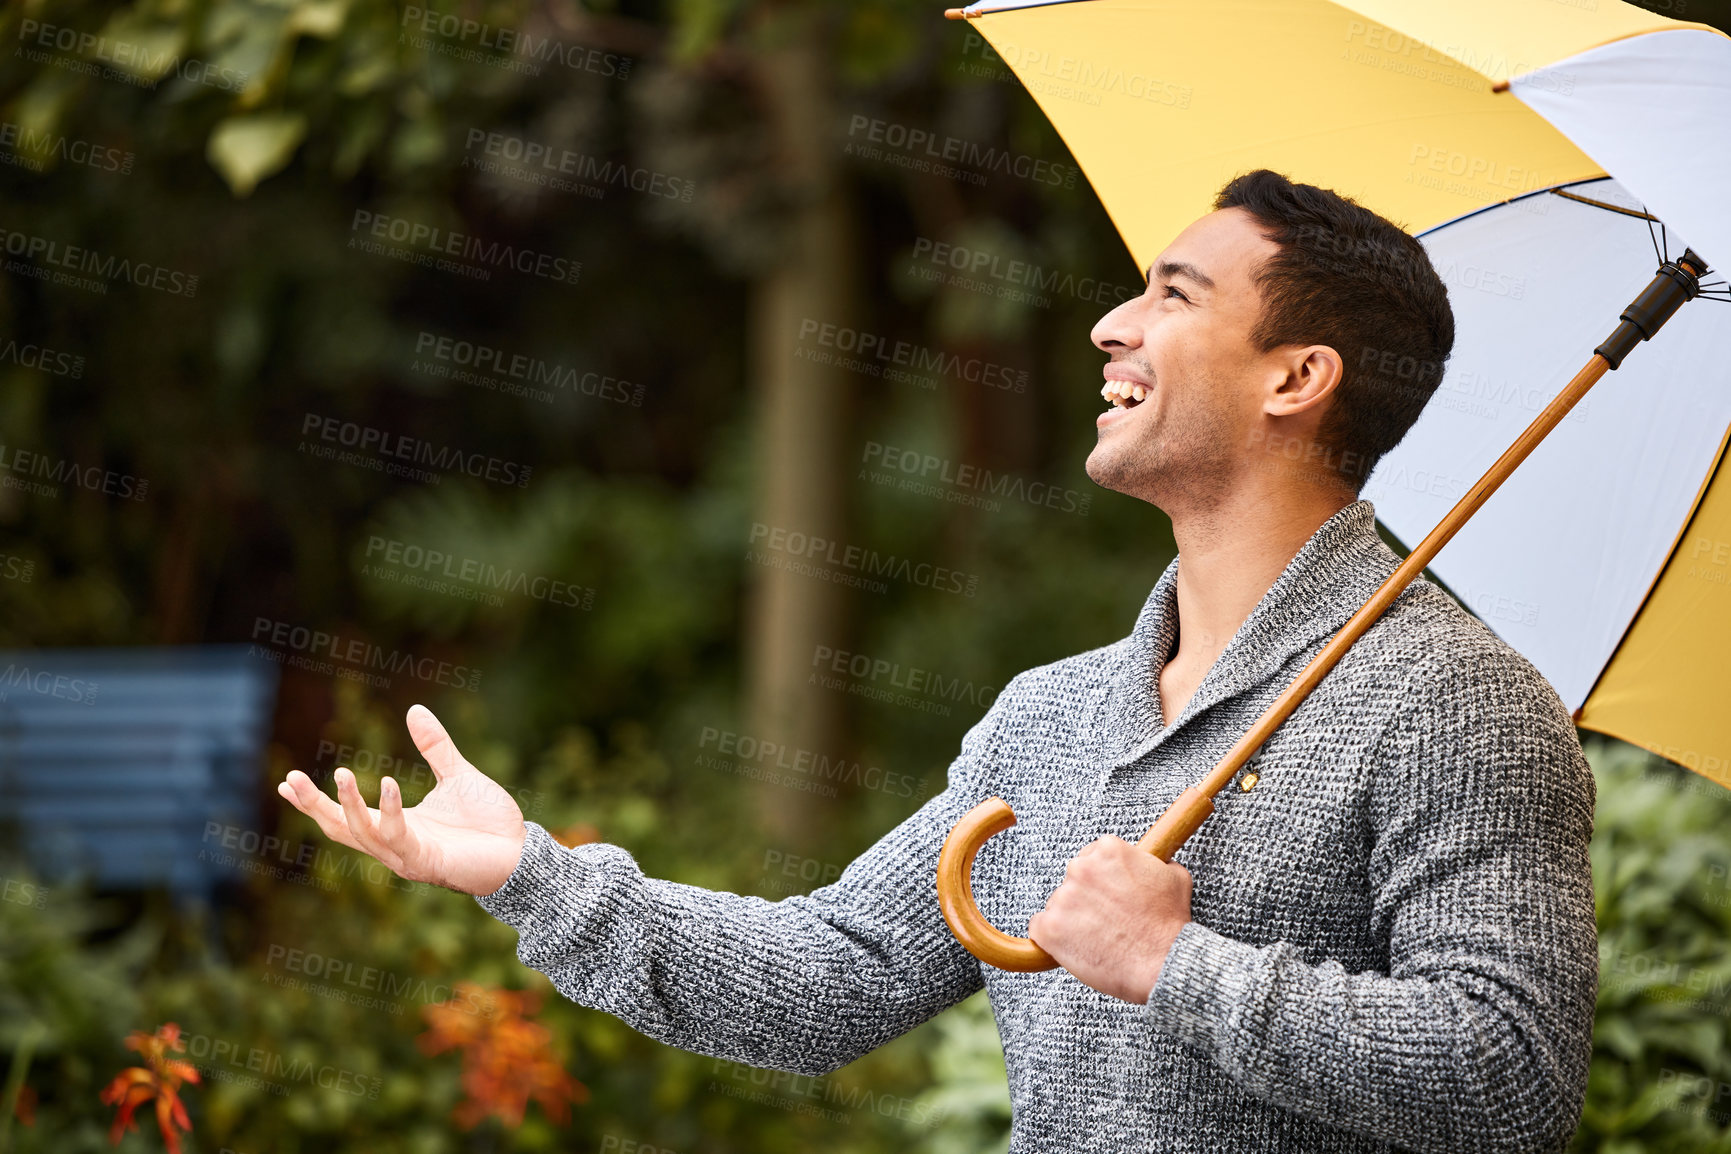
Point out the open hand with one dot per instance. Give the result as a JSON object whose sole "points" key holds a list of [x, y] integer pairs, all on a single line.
{"points": [[466, 834], [1115, 917]]}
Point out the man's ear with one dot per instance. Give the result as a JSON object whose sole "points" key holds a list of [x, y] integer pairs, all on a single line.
{"points": [[1309, 374]]}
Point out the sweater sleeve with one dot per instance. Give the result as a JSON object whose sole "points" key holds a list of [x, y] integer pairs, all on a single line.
{"points": [[1478, 1038], [806, 984]]}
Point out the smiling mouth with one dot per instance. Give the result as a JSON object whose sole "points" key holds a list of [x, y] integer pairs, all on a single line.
{"points": [[1124, 394]]}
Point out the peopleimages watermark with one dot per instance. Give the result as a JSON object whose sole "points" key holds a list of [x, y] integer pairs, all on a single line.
{"points": [[796, 768], [1077, 78], [1478, 177], [788, 872], [19, 466], [15, 568], [84, 268], [1458, 65], [228, 846], [225, 1060], [876, 355], [373, 448], [450, 251], [1708, 559], [46, 683], [1489, 605], [853, 565], [953, 157], [548, 166], [928, 475], [111, 59], [365, 986], [1689, 1085], [1715, 767], [880, 679], [615, 1144], [799, 1094], [416, 774], [466, 578], [42, 358], [1478, 394], [990, 274], [24, 893], [1304, 458], [317, 651], [516, 374], [32, 149], [508, 48], [1480, 278]]}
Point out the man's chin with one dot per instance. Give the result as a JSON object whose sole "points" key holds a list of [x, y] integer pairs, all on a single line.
{"points": [[1107, 468]]}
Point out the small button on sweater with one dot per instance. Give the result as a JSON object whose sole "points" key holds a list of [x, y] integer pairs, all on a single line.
{"points": [[1392, 944]]}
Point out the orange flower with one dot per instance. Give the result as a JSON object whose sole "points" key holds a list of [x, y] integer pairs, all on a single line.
{"points": [[136, 1085], [25, 1107], [573, 836], [507, 1060]]}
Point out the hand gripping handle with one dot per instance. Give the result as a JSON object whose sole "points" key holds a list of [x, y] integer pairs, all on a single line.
{"points": [[956, 868]]}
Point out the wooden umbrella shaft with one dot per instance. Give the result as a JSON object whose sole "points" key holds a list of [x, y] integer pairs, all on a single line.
{"points": [[1194, 805]]}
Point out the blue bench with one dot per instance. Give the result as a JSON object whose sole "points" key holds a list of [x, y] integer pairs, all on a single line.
{"points": [[113, 762]]}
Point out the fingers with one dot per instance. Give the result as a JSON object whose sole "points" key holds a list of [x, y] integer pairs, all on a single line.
{"points": [[360, 819], [307, 797], [1184, 877], [393, 828], [434, 743]]}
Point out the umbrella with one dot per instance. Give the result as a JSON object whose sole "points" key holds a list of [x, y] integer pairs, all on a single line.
{"points": [[1618, 594], [1536, 148]]}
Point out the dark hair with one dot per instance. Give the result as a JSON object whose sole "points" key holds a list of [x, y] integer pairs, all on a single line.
{"points": [[1357, 282]]}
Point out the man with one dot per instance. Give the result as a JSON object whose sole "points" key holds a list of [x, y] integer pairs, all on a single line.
{"points": [[1383, 939]]}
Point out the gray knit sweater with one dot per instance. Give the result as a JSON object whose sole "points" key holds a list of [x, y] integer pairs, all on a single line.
{"points": [[1392, 944]]}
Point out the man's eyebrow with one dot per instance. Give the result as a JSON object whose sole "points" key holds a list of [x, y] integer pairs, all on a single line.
{"points": [[1171, 268]]}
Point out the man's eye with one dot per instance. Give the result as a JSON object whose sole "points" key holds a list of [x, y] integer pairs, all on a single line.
{"points": [[1172, 290]]}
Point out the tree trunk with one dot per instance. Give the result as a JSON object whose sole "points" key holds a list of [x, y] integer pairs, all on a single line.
{"points": [[803, 412]]}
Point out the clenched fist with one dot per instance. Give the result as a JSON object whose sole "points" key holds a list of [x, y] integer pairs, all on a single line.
{"points": [[1115, 917], [466, 834]]}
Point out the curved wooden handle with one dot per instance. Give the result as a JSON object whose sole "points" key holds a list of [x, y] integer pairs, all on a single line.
{"points": [[956, 893], [994, 815]]}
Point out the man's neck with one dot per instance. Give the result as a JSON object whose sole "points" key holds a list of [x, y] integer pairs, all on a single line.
{"points": [[1229, 557]]}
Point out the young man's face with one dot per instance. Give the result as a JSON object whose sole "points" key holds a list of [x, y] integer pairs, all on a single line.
{"points": [[1186, 342]]}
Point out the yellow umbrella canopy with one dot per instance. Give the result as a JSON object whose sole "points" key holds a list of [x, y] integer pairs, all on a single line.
{"points": [[1390, 102]]}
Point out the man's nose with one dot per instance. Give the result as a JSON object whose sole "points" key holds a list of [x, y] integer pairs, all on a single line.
{"points": [[1119, 329]]}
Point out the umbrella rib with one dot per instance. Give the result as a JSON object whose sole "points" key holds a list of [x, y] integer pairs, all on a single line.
{"points": [[1646, 216]]}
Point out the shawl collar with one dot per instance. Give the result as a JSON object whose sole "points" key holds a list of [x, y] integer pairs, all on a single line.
{"points": [[1324, 584]]}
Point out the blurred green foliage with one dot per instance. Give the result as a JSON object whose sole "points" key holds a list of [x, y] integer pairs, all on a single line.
{"points": [[75, 974], [1661, 1077]]}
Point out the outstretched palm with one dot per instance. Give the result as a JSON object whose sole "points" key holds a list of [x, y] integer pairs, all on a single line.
{"points": [[466, 834]]}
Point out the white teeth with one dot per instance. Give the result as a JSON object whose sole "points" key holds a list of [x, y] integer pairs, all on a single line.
{"points": [[1122, 393]]}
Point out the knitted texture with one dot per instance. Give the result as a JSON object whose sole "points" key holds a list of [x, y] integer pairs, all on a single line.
{"points": [[1392, 942]]}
